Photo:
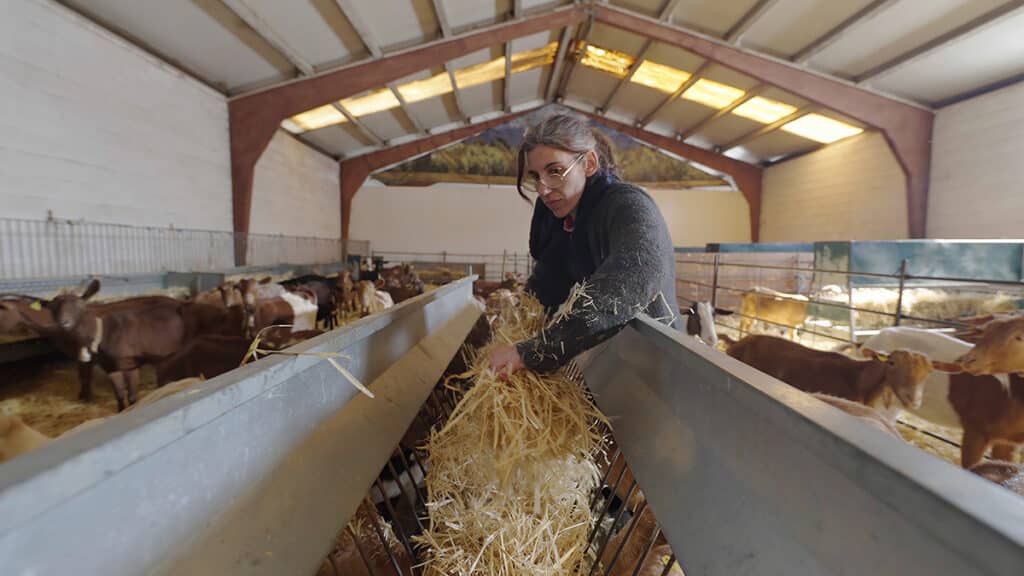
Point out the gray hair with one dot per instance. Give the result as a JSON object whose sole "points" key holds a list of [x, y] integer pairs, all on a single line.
{"points": [[564, 132]]}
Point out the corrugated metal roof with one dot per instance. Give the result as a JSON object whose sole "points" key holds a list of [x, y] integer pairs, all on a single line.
{"points": [[926, 51]]}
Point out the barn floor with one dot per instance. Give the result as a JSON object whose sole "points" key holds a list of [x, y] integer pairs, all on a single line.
{"points": [[935, 440], [44, 393]]}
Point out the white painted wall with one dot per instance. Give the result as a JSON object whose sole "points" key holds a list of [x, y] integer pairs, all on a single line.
{"points": [[850, 190], [699, 217], [93, 128], [490, 219], [295, 192], [977, 185]]}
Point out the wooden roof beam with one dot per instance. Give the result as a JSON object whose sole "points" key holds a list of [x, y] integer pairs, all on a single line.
{"points": [[907, 127], [556, 70], [256, 116], [348, 10], [628, 77], [582, 35], [755, 91], [664, 14], [446, 32], [767, 128], [265, 31], [507, 84], [679, 92]]}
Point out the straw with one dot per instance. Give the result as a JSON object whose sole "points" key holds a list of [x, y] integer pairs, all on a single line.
{"points": [[255, 351], [513, 470]]}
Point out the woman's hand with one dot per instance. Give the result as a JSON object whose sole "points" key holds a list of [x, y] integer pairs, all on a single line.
{"points": [[506, 360]]}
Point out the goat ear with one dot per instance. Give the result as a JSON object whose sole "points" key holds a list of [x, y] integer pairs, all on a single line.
{"points": [[869, 353], [91, 289], [265, 280], [950, 367], [722, 312]]}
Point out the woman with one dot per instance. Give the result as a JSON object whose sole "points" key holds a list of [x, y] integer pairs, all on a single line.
{"points": [[587, 226]]}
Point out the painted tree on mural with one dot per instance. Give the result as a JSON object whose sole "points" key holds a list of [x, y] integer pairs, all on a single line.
{"points": [[490, 158]]}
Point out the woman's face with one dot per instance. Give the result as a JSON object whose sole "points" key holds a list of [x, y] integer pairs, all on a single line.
{"points": [[547, 164]]}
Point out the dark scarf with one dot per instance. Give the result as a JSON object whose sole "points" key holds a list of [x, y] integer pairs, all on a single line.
{"points": [[566, 257]]}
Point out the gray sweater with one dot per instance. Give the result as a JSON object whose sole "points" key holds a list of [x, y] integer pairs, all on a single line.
{"points": [[620, 247]]}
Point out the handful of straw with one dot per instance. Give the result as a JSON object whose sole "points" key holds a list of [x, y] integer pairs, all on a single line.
{"points": [[513, 470]]}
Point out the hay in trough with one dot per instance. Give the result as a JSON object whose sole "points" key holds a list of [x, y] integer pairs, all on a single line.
{"points": [[513, 470]]}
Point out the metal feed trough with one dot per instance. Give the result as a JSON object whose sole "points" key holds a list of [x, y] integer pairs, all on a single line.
{"points": [[257, 471], [252, 472], [749, 476]]}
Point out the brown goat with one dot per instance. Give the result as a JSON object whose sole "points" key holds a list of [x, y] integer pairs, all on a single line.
{"points": [[77, 341], [989, 413], [122, 337], [789, 310], [204, 356], [999, 348], [211, 355], [875, 383], [31, 312]]}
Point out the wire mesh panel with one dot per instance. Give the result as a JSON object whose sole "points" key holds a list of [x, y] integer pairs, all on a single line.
{"points": [[58, 248], [491, 267]]}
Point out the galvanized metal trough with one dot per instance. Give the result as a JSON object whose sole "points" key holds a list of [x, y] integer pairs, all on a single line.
{"points": [[253, 472], [748, 476], [257, 471]]}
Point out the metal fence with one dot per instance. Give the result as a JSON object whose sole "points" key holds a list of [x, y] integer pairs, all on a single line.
{"points": [[842, 313], [487, 266], [51, 248]]}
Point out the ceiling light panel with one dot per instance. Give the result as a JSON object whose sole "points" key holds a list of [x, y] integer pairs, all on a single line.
{"points": [[659, 76]]}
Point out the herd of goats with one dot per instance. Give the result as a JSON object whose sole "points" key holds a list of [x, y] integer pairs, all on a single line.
{"points": [[973, 386], [202, 336]]}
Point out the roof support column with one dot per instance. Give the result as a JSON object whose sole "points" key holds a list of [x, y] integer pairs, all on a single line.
{"points": [[248, 141], [352, 175]]}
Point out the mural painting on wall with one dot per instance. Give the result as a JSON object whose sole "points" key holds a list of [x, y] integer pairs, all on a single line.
{"points": [[490, 158]]}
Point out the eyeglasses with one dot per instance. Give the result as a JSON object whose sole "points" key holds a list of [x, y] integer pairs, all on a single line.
{"points": [[553, 180]]}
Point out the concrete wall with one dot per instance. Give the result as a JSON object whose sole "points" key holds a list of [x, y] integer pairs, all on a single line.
{"points": [[977, 186], [295, 191], [850, 190], [93, 128], [489, 219]]}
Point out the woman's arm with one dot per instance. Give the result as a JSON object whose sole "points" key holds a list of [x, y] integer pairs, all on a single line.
{"points": [[625, 284]]}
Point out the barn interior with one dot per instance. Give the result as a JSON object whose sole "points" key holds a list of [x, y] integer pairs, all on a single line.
{"points": [[255, 257]]}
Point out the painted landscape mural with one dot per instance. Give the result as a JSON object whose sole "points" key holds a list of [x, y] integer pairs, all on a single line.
{"points": [[490, 158]]}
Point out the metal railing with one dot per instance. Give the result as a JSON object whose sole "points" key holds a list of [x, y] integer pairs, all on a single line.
{"points": [[487, 266], [58, 248], [723, 279]]}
